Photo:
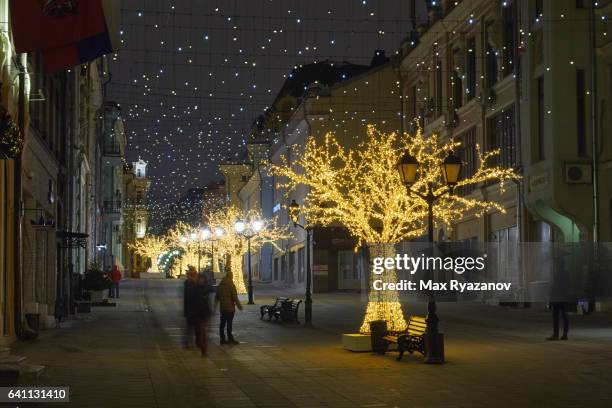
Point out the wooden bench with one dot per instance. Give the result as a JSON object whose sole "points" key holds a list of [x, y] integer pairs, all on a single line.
{"points": [[412, 339], [271, 309], [288, 311]]}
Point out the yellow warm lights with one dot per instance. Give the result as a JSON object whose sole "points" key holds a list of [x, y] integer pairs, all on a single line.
{"points": [[233, 244], [150, 247], [362, 190]]}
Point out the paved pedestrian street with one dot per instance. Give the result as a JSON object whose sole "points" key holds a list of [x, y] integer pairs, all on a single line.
{"points": [[132, 356]]}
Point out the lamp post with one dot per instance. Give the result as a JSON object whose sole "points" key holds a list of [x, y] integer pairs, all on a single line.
{"points": [[249, 231], [207, 235], [451, 169], [194, 238], [294, 212]]}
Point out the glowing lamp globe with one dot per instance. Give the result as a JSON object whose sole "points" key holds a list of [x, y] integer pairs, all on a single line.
{"points": [[205, 234], [407, 168], [240, 227], [294, 212], [257, 225], [451, 169], [219, 232]]}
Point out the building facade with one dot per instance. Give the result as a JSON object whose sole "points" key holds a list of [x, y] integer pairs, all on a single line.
{"points": [[13, 103], [517, 76], [135, 217], [110, 184]]}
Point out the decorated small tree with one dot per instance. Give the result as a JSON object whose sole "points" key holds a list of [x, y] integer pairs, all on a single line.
{"points": [[361, 189], [150, 247], [233, 244]]}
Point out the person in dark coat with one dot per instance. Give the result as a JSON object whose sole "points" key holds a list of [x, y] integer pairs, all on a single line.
{"points": [[197, 308], [559, 295]]}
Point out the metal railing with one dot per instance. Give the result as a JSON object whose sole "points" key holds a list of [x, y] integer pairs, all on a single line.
{"points": [[111, 207]]}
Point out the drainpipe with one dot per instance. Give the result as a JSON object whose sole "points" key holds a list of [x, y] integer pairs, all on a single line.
{"points": [[594, 133], [17, 259]]}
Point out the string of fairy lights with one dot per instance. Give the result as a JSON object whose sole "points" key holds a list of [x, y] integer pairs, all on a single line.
{"points": [[192, 77]]}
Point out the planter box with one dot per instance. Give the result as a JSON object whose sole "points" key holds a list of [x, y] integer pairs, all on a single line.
{"points": [[356, 342], [153, 275], [96, 296]]}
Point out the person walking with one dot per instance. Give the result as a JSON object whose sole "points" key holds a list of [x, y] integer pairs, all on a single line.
{"points": [[190, 305], [559, 294], [203, 312], [227, 297], [115, 276]]}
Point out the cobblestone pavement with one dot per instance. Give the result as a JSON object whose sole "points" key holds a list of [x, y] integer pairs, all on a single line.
{"points": [[132, 356]]}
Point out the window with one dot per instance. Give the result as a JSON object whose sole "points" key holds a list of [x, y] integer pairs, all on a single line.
{"points": [[581, 112], [539, 148], [457, 80], [276, 268], [292, 269], [283, 267], [539, 8], [509, 39], [501, 135], [438, 85], [492, 70], [468, 156], [470, 90], [348, 267]]}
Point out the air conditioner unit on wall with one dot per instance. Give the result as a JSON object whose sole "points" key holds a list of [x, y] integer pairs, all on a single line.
{"points": [[578, 173]]}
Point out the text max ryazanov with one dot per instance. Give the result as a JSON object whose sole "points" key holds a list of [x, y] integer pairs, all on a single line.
{"points": [[440, 286]]}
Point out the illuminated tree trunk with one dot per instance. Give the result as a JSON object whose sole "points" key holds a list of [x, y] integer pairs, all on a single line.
{"points": [[236, 268], [383, 304]]}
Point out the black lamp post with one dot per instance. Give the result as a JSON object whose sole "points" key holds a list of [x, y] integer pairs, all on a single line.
{"points": [[451, 170], [249, 231], [198, 238], [294, 213]]}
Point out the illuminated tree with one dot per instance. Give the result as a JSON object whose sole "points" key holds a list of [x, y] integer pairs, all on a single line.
{"points": [[361, 190], [189, 240], [150, 247], [234, 245], [430, 152]]}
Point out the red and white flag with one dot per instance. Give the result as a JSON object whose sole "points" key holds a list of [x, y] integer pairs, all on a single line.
{"points": [[68, 32]]}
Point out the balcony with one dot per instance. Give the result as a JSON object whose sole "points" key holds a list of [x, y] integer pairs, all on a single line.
{"points": [[111, 209]]}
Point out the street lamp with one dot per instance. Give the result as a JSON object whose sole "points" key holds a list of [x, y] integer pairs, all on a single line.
{"points": [[194, 238], [249, 231], [207, 234], [294, 213], [451, 170]]}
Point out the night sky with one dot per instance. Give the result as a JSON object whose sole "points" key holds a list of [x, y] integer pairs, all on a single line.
{"points": [[192, 76]]}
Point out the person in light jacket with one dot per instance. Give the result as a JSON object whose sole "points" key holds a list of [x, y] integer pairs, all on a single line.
{"points": [[227, 297]]}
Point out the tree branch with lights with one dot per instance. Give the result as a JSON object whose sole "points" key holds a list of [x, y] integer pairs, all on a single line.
{"points": [[189, 240], [362, 190], [150, 247], [233, 243]]}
